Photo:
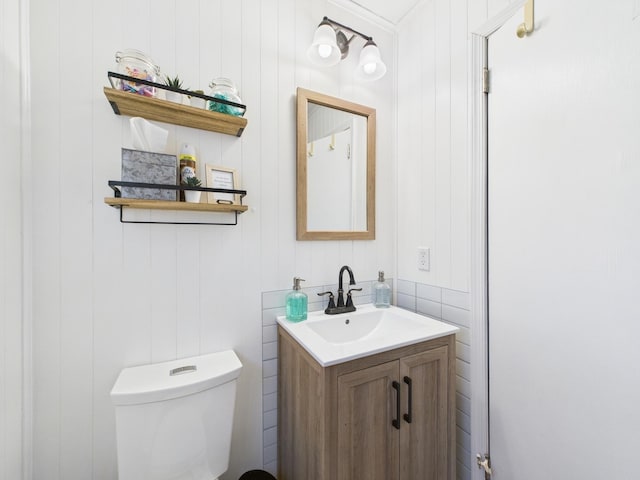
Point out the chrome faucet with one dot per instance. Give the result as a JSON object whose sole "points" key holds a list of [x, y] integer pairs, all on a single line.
{"points": [[341, 307]]}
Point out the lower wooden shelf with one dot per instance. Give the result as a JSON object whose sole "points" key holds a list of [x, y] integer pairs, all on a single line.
{"points": [[148, 204], [141, 204], [168, 205]]}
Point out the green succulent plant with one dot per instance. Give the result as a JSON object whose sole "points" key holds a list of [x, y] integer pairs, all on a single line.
{"points": [[174, 82], [192, 182]]}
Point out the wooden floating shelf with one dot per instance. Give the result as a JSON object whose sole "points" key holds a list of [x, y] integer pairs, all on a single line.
{"points": [[168, 205], [125, 103]]}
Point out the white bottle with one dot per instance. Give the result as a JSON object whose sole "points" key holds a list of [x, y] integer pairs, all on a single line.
{"points": [[381, 292]]}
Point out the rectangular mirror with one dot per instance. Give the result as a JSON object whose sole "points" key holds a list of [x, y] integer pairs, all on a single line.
{"points": [[336, 158]]}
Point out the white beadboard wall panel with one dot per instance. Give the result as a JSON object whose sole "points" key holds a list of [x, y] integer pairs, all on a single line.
{"points": [[11, 245], [47, 286], [188, 249], [115, 330], [459, 165], [413, 140], [433, 138], [442, 153], [268, 164], [108, 295], [288, 251], [425, 130], [76, 299]]}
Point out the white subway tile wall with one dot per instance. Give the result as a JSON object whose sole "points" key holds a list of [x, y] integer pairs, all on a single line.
{"points": [[451, 306]]}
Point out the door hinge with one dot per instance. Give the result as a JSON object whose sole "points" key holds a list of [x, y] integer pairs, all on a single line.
{"points": [[484, 462], [485, 80]]}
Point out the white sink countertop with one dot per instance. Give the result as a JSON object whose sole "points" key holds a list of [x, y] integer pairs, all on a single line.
{"points": [[333, 339]]}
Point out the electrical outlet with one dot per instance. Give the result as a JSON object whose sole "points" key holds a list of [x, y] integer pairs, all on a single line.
{"points": [[424, 260]]}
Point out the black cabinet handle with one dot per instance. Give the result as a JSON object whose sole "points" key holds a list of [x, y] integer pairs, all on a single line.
{"points": [[396, 422], [407, 416]]}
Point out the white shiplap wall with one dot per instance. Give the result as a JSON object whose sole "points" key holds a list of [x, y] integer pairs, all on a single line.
{"points": [[108, 295], [11, 244], [433, 198]]}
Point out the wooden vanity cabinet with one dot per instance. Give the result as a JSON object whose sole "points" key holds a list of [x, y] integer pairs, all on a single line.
{"points": [[343, 422]]}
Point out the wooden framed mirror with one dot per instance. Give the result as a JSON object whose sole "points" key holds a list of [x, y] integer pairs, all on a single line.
{"points": [[336, 168]]}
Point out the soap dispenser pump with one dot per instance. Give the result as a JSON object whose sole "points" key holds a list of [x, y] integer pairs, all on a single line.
{"points": [[296, 304], [381, 292]]}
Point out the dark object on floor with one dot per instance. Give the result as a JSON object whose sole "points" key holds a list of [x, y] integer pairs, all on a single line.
{"points": [[257, 475]]}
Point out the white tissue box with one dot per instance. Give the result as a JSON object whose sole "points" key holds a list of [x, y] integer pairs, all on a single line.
{"points": [[149, 167]]}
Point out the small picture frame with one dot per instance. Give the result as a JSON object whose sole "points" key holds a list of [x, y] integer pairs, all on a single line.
{"points": [[222, 177]]}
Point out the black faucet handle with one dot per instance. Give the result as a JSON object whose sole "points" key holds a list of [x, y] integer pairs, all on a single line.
{"points": [[349, 298], [332, 303]]}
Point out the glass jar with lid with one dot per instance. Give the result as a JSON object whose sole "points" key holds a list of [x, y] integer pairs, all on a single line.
{"points": [[224, 88], [137, 64]]}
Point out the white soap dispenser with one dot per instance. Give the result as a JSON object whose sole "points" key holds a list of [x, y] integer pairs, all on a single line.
{"points": [[381, 292]]}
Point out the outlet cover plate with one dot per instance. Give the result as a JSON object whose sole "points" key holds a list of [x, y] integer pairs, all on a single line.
{"points": [[424, 259]]}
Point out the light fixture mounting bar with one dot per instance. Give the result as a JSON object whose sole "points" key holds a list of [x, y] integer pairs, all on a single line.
{"points": [[344, 27]]}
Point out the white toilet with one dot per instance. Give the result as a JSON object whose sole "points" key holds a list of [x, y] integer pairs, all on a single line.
{"points": [[174, 419]]}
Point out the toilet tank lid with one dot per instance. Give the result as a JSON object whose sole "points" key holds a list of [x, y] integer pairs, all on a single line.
{"points": [[177, 378]]}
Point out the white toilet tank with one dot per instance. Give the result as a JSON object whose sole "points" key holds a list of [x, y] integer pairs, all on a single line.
{"points": [[174, 419]]}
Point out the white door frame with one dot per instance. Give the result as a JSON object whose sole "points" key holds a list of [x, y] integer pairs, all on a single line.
{"points": [[478, 215]]}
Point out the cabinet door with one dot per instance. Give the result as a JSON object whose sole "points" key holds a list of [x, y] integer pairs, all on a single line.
{"points": [[425, 441], [368, 443]]}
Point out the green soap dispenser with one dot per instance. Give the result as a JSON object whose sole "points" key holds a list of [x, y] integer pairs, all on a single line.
{"points": [[296, 302]]}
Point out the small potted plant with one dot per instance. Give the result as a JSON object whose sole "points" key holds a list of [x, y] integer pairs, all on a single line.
{"points": [[192, 196], [174, 82], [197, 101]]}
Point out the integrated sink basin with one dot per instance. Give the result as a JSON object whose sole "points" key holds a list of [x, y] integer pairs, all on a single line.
{"points": [[333, 339]]}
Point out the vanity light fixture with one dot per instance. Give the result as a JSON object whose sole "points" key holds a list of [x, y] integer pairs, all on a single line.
{"points": [[330, 45]]}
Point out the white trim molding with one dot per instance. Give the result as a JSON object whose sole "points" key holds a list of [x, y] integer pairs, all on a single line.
{"points": [[478, 229], [478, 254], [362, 12]]}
